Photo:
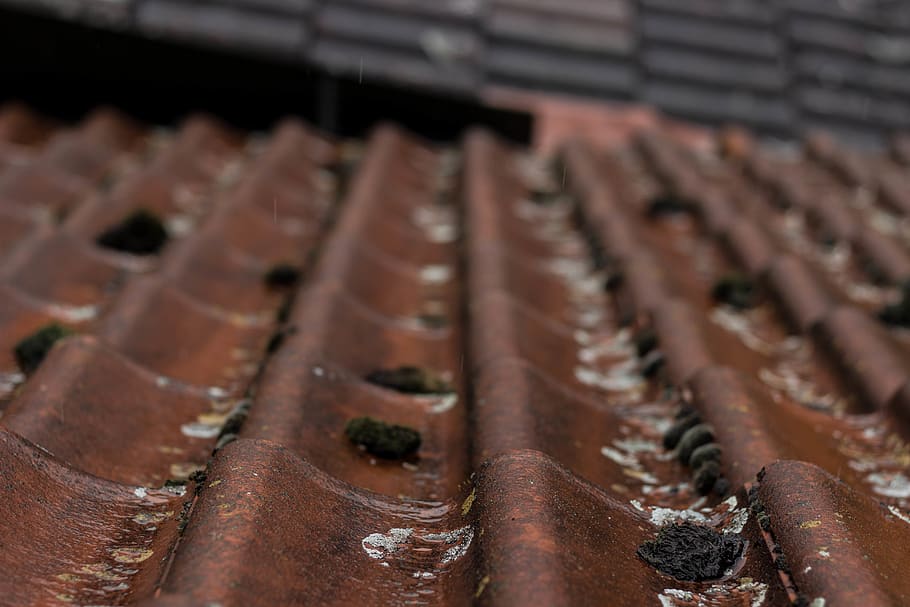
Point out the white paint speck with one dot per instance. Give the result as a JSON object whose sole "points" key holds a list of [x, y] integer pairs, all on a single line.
{"points": [[140, 492]]}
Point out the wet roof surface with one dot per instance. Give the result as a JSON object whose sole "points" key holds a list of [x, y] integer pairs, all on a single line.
{"points": [[780, 66], [566, 316]]}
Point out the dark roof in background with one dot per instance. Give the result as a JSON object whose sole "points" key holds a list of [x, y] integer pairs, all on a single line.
{"points": [[781, 67]]}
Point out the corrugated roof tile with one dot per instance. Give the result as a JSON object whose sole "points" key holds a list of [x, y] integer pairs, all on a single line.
{"points": [[560, 322]]}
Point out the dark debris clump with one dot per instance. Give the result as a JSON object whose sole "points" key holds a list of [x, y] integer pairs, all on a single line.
{"points": [[645, 341], [614, 280], [695, 437], [30, 352], [736, 290], [282, 275], [685, 420], [277, 339], [141, 233], [692, 552], [652, 362], [706, 477], [433, 321], [668, 204], [898, 314], [410, 380], [384, 440], [695, 447]]}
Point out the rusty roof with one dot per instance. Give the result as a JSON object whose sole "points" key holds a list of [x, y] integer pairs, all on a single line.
{"points": [[783, 67], [601, 343]]}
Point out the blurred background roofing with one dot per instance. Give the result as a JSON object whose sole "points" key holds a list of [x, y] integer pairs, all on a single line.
{"points": [[781, 67]]}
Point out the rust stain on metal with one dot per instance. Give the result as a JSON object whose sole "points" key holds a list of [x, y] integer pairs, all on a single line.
{"points": [[536, 323]]}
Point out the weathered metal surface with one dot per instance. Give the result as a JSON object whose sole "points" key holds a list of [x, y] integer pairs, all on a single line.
{"points": [[560, 320]]}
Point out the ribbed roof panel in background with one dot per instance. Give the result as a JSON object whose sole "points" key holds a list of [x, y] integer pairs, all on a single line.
{"points": [[781, 67]]}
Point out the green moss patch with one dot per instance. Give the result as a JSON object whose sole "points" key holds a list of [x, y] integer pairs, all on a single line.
{"points": [[30, 352], [140, 233], [410, 380], [282, 275], [736, 290], [384, 440], [669, 204], [692, 552]]}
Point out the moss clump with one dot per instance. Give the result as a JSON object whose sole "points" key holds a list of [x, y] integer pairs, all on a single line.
{"points": [[706, 476], [722, 487], [669, 204], [898, 314], [685, 420], [281, 276], [645, 341], [614, 280], [736, 290], [704, 453], [410, 380], [31, 351], [284, 312], [758, 508], [692, 552], [433, 321], [695, 437], [381, 439], [277, 339], [141, 233], [652, 363]]}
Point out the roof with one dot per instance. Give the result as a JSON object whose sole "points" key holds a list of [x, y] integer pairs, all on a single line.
{"points": [[782, 67], [666, 326]]}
